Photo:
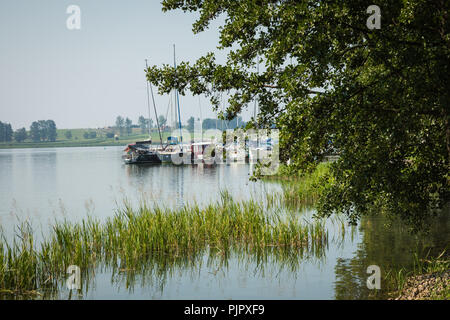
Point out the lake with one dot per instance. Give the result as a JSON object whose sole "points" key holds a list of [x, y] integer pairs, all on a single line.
{"points": [[44, 185]]}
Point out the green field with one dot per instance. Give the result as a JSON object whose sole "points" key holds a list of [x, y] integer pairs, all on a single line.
{"points": [[78, 139]]}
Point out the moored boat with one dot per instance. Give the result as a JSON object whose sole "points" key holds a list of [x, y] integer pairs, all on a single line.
{"points": [[141, 152]]}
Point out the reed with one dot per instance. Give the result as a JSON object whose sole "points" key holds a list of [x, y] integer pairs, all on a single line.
{"points": [[299, 190], [134, 238]]}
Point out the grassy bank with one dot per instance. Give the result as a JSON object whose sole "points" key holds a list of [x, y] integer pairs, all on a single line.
{"points": [[135, 237], [428, 279]]}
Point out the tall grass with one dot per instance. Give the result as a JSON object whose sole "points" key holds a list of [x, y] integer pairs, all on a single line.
{"points": [[299, 190], [135, 238]]}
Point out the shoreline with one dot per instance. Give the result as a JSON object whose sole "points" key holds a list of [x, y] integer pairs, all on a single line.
{"points": [[428, 286]]}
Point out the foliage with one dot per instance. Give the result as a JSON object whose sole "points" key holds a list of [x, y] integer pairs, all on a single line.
{"points": [[20, 135], [90, 135], [378, 97], [162, 121], [221, 124], [68, 134], [6, 132], [298, 190], [190, 124], [120, 124], [128, 125], [43, 130], [144, 124]]}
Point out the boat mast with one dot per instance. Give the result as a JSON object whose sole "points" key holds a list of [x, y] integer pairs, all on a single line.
{"points": [[201, 117], [178, 99], [154, 107], [255, 112]]}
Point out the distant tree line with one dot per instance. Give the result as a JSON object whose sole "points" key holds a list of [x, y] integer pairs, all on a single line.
{"points": [[90, 135], [210, 123], [124, 125], [43, 130]]}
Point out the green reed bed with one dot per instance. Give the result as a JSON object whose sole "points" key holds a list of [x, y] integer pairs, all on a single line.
{"points": [[298, 190], [133, 234], [134, 237]]}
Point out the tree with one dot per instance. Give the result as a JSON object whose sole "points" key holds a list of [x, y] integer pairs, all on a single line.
{"points": [[209, 123], [380, 97], [20, 135], [190, 124], [51, 130], [128, 126], [120, 124], [92, 135], [43, 130], [86, 135], [68, 134], [6, 132], [143, 124], [162, 121], [35, 132]]}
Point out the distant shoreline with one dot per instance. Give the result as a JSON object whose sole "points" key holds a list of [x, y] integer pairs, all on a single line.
{"points": [[56, 145], [79, 141]]}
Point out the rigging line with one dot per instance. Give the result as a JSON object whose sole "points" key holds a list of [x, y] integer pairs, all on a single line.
{"points": [[168, 106], [154, 105], [201, 117], [222, 108], [148, 107], [178, 99], [256, 100]]}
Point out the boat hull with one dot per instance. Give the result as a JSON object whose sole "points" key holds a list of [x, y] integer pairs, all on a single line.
{"points": [[151, 158]]}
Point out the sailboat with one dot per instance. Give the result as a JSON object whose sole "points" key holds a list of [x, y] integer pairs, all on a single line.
{"points": [[174, 151], [142, 152]]}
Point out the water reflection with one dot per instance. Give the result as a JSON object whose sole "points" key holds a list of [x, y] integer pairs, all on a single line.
{"points": [[391, 246], [210, 265]]}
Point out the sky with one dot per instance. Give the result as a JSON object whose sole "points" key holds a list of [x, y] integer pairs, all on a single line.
{"points": [[85, 78]]}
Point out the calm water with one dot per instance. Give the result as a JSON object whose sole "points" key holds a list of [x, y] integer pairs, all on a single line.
{"points": [[47, 184], [43, 185]]}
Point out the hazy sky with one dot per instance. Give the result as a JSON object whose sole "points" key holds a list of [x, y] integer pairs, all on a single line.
{"points": [[85, 78]]}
